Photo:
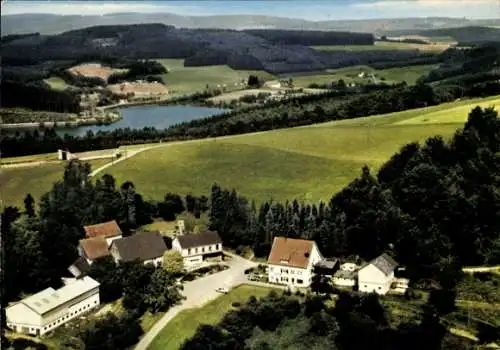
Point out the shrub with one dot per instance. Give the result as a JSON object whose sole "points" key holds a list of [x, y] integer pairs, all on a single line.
{"points": [[236, 304]]}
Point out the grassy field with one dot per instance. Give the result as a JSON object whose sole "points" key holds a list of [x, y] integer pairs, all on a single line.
{"points": [[307, 163], [409, 74], [182, 79], [16, 183], [385, 45], [56, 83], [184, 325]]}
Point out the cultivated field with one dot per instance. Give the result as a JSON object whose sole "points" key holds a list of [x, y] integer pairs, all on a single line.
{"points": [[139, 89], [182, 79], [435, 46], [409, 74], [94, 70], [185, 324], [307, 163]]}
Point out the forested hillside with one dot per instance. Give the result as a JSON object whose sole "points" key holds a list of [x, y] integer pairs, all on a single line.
{"points": [[275, 51]]}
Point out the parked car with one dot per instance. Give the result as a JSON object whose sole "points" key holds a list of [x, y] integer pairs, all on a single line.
{"points": [[254, 277], [223, 290]]}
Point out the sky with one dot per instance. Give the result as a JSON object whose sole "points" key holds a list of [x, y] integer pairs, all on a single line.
{"points": [[315, 10]]}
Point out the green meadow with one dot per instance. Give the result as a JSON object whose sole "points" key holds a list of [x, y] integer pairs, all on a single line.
{"points": [[410, 74], [307, 163], [180, 79]]}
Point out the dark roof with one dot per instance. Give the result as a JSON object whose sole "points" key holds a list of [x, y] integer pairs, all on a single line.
{"points": [[327, 264], [105, 229], [385, 263], [199, 239], [95, 247], [290, 252], [81, 265], [142, 246]]}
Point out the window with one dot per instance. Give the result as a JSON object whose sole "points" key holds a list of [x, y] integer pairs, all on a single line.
{"points": [[189, 251], [299, 281], [196, 250], [217, 246], [210, 248], [203, 250]]}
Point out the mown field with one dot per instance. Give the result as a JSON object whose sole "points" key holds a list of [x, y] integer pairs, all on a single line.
{"points": [[185, 324], [409, 74], [386, 45], [307, 163], [180, 79], [16, 183], [56, 83]]}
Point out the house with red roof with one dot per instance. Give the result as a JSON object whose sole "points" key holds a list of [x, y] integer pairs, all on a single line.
{"points": [[291, 261]]}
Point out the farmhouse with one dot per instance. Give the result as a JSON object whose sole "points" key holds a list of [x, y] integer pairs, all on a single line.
{"points": [[195, 248], [147, 247], [108, 230], [291, 261], [378, 275], [93, 248], [49, 309]]}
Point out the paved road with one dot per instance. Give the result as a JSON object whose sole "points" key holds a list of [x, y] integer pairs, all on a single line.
{"points": [[201, 291]]}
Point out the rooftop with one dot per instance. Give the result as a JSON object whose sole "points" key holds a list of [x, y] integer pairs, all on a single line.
{"points": [[385, 263], [290, 252], [199, 239], [140, 246], [105, 229], [95, 247], [48, 299]]}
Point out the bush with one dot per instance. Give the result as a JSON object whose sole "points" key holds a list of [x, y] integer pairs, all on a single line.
{"points": [[236, 304], [247, 271]]}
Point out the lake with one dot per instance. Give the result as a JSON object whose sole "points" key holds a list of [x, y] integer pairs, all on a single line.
{"points": [[138, 117]]}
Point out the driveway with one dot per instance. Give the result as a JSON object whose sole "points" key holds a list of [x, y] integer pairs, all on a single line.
{"points": [[201, 291]]}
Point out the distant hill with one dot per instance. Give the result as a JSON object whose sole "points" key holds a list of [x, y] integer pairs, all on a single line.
{"points": [[463, 35], [274, 51], [54, 24]]}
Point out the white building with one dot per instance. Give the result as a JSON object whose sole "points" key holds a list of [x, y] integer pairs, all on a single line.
{"points": [[49, 309], [291, 261], [147, 247], [346, 276], [195, 248], [378, 275]]}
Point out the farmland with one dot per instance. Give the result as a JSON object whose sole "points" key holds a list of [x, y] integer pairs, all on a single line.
{"points": [[409, 74], [184, 325], [386, 45], [182, 79], [307, 163], [56, 83], [94, 70]]}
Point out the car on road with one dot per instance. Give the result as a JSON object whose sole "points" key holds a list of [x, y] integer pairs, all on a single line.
{"points": [[223, 290]]}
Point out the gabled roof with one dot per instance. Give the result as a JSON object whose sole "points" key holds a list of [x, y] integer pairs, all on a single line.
{"points": [[140, 246], [105, 229], [290, 252], [81, 265], [199, 239], [95, 247], [385, 263], [48, 299]]}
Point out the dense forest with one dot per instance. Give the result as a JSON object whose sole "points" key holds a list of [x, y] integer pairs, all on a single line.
{"points": [[275, 51]]}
